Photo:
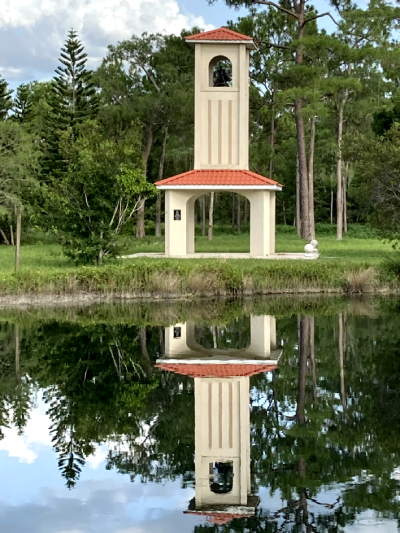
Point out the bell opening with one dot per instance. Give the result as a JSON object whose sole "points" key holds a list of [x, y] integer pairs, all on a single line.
{"points": [[220, 71], [221, 477]]}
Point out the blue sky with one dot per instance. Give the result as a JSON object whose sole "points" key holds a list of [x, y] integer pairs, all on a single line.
{"points": [[32, 31]]}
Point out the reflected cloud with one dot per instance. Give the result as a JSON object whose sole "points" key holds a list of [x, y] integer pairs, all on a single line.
{"points": [[36, 434]]}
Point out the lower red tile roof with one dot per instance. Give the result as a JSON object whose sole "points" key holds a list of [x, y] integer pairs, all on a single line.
{"points": [[219, 518], [216, 370], [218, 177]]}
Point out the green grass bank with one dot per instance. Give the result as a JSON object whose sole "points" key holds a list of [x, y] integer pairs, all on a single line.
{"points": [[358, 264]]}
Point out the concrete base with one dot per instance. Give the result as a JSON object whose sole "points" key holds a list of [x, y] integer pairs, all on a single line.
{"points": [[292, 256]]}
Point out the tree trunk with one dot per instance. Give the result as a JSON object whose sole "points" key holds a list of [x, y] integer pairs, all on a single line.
{"points": [[301, 135], [203, 216], [12, 235], [246, 212], [272, 137], [304, 339], [345, 202], [3, 236], [238, 214], [331, 206], [233, 212], [298, 222], [341, 363], [140, 229], [339, 163], [160, 177], [311, 177], [312, 358], [211, 217], [144, 350], [17, 356], [18, 240], [303, 175]]}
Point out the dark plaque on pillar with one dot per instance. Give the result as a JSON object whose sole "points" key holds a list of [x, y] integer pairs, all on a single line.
{"points": [[177, 332], [177, 214]]}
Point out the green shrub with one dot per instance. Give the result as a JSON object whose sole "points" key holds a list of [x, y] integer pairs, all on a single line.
{"points": [[390, 267]]}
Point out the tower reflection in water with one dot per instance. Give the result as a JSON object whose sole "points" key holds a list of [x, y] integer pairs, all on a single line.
{"points": [[222, 412]]}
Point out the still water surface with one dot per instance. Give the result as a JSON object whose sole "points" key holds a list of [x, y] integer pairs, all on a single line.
{"points": [[256, 416]]}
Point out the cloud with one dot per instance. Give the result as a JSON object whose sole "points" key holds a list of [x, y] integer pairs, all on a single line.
{"points": [[93, 506], [32, 31], [36, 434]]}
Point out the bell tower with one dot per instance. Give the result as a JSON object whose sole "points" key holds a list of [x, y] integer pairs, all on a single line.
{"points": [[221, 97]]}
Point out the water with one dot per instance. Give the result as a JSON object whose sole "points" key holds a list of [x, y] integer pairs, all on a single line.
{"points": [[258, 416]]}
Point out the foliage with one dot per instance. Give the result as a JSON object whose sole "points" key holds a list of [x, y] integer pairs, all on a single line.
{"points": [[72, 100], [378, 160], [5, 99], [18, 165], [23, 104], [99, 193]]}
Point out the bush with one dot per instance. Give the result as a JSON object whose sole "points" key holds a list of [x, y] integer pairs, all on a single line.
{"points": [[391, 267]]}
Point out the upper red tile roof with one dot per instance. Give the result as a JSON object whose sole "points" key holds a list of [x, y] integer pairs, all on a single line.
{"points": [[220, 34], [216, 370], [218, 177]]}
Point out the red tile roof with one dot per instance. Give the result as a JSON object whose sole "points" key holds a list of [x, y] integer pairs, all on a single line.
{"points": [[220, 34], [218, 177], [216, 370], [219, 518]]}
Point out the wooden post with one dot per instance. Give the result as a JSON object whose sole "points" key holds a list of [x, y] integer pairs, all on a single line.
{"points": [[18, 240]]}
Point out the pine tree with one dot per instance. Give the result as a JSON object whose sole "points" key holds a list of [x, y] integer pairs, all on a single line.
{"points": [[23, 105], [73, 100], [5, 99]]}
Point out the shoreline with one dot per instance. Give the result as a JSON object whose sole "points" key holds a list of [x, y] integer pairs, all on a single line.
{"points": [[161, 279], [26, 301]]}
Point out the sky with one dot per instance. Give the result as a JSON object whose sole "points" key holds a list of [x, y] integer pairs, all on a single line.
{"points": [[33, 31]]}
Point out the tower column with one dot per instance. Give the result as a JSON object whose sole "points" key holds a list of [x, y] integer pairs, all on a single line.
{"points": [[260, 217], [176, 222]]}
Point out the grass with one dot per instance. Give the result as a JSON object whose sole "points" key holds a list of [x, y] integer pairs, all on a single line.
{"points": [[349, 266]]}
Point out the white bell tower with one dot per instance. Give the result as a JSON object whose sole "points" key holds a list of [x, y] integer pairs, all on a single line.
{"points": [[221, 121]]}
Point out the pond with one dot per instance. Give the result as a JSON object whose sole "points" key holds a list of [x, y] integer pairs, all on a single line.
{"points": [[266, 415]]}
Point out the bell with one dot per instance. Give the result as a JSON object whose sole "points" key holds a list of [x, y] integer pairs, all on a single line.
{"points": [[222, 79]]}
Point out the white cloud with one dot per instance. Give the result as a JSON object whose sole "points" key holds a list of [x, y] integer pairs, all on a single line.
{"points": [[36, 434], [96, 459], [32, 31]]}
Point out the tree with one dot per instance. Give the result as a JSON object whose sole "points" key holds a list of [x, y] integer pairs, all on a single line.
{"points": [[354, 71], [5, 99], [377, 160], [73, 100], [18, 166], [23, 104], [160, 94], [99, 193], [302, 16]]}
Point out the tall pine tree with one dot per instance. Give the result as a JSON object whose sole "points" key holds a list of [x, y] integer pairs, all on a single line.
{"points": [[23, 104], [73, 100], [5, 99]]}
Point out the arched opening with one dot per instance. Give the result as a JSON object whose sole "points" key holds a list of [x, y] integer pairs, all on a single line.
{"points": [[222, 223], [221, 477], [220, 72], [236, 335]]}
